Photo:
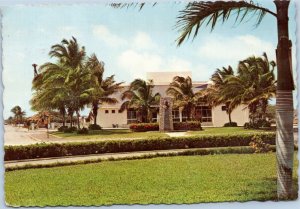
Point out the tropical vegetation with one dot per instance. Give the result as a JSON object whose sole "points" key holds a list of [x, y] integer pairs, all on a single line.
{"points": [[72, 82], [141, 98], [196, 15], [19, 114], [181, 89]]}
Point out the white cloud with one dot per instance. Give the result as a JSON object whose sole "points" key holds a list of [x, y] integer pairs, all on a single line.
{"points": [[229, 50], [105, 35], [143, 41], [138, 64]]}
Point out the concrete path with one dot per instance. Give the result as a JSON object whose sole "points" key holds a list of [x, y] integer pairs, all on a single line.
{"points": [[176, 134], [69, 159]]}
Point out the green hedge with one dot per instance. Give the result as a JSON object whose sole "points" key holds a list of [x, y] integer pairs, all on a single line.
{"points": [[189, 125], [113, 146]]}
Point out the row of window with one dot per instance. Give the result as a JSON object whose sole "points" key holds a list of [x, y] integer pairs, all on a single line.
{"points": [[112, 111]]}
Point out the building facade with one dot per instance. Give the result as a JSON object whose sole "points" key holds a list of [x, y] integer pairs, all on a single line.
{"points": [[110, 116]]}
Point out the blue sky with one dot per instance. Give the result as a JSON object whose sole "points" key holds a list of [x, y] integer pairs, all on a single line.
{"points": [[130, 42]]}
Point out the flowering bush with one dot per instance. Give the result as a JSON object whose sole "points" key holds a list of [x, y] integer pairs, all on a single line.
{"points": [[259, 145], [142, 127]]}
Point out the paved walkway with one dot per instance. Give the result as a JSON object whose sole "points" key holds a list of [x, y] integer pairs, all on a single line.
{"points": [[69, 159]]}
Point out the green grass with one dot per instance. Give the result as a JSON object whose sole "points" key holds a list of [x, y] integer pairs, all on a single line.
{"points": [[184, 179], [128, 134], [111, 134], [224, 130]]}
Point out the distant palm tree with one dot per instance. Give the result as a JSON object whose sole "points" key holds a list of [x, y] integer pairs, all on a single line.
{"points": [[181, 89], [102, 89], [215, 93], [200, 14], [18, 114], [140, 97]]}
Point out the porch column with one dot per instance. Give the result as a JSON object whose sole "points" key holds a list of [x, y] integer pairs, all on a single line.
{"points": [[180, 114]]}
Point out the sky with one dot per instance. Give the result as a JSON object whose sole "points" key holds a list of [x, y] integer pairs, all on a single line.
{"points": [[129, 41]]}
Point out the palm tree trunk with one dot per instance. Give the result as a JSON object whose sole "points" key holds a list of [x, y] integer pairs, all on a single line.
{"points": [[284, 105], [78, 122], [95, 111], [229, 116]]}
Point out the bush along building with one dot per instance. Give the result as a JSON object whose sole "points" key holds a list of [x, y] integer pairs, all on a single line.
{"points": [[113, 115]]}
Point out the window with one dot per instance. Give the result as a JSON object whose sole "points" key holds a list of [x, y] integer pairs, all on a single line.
{"points": [[119, 111], [131, 116], [224, 108], [113, 111], [176, 115], [106, 111], [203, 113]]}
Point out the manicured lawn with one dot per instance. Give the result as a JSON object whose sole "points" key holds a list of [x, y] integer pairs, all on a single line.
{"points": [[224, 130], [111, 134], [128, 134], [184, 179]]}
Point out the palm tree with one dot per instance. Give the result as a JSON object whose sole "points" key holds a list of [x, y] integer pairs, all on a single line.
{"points": [[18, 114], [64, 85], [195, 15], [140, 97], [181, 89], [215, 93], [102, 89]]}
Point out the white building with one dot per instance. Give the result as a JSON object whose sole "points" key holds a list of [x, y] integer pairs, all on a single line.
{"points": [[110, 115]]}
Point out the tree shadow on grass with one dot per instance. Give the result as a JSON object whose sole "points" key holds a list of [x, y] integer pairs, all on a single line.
{"points": [[266, 190]]}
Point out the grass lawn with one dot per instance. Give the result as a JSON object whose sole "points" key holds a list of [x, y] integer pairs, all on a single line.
{"points": [[128, 134], [224, 130], [184, 179], [111, 134]]}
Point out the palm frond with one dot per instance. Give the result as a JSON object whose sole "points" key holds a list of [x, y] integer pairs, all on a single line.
{"points": [[191, 19]]}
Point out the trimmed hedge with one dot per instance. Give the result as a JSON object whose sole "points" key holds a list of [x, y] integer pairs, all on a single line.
{"points": [[187, 126], [94, 127], [232, 124], [44, 150]]}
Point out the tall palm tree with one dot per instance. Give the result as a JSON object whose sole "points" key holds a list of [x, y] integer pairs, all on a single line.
{"points": [[140, 97], [181, 89], [195, 15], [63, 85], [215, 92], [102, 89]]}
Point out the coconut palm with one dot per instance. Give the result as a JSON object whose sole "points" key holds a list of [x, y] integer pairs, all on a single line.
{"points": [[63, 85], [140, 97], [181, 89], [18, 114], [199, 14], [215, 92], [102, 89]]}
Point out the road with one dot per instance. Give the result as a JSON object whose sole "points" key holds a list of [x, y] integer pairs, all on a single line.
{"points": [[18, 136]]}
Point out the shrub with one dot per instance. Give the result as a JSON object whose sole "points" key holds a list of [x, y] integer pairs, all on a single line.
{"points": [[257, 124], [70, 129], [94, 127], [83, 131], [142, 127], [259, 145], [62, 128], [131, 145], [189, 125], [232, 124]]}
